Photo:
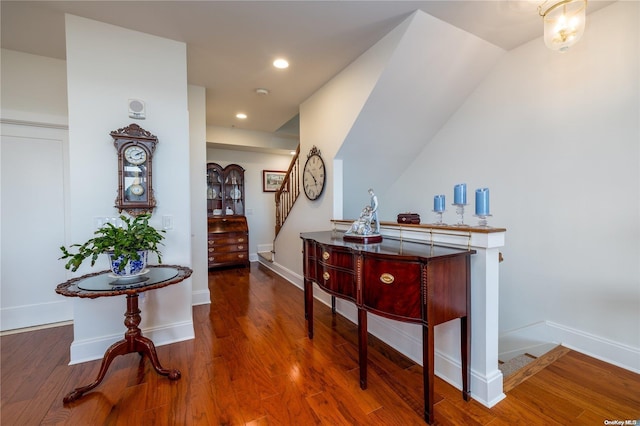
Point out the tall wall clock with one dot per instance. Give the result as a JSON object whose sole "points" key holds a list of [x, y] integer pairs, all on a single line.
{"points": [[135, 147], [314, 176]]}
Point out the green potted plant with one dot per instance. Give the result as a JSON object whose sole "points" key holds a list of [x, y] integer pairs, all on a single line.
{"points": [[126, 245]]}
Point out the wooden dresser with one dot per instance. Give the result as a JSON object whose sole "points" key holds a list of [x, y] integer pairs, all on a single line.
{"points": [[228, 241], [405, 281]]}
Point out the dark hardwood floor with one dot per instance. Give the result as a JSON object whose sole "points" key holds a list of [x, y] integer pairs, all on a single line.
{"points": [[251, 363]]}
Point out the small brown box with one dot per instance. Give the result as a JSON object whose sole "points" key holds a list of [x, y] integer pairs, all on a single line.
{"points": [[409, 218]]}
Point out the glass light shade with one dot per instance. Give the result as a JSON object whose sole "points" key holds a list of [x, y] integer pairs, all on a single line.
{"points": [[564, 24]]}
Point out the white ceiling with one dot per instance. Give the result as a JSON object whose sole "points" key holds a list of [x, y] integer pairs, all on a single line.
{"points": [[231, 44]]}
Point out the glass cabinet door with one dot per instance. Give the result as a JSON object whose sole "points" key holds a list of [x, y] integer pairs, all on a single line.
{"points": [[214, 190], [225, 190], [234, 185]]}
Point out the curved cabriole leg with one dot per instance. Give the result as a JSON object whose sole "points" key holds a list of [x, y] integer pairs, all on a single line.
{"points": [[147, 347], [133, 341], [118, 348]]}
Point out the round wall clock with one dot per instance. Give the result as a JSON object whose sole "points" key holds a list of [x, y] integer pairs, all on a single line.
{"points": [[135, 147], [135, 155], [313, 176]]}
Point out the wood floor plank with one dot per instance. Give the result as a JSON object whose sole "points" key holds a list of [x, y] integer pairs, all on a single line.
{"points": [[573, 391], [625, 388], [298, 410], [540, 400], [252, 363]]}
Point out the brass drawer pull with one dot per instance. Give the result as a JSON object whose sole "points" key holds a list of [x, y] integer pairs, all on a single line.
{"points": [[326, 276], [325, 255], [240, 240], [240, 247], [211, 249], [240, 256], [387, 278]]}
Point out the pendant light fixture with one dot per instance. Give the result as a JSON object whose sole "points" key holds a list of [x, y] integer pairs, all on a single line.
{"points": [[564, 23]]}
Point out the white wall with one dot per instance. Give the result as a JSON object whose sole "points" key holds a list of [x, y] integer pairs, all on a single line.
{"points": [[34, 110], [34, 88], [107, 65], [556, 139], [33, 150], [325, 120], [198, 163], [433, 69], [259, 206], [230, 138]]}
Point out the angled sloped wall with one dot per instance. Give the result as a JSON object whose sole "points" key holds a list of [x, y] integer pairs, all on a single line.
{"points": [[433, 69]]}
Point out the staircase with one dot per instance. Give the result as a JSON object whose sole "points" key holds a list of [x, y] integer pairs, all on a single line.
{"points": [[285, 198], [288, 192]]}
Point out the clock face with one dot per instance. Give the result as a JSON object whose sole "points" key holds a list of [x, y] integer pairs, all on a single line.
{"points": [[314, 177], [135, 155]]}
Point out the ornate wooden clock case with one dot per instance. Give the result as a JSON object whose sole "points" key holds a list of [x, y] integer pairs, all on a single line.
{"points": [[135, 148]]}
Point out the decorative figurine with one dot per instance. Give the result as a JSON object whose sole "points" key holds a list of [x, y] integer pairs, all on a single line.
{"points": [[366, 229]]}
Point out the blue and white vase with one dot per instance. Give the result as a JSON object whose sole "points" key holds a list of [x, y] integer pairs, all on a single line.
{"points": [[133, 267]]}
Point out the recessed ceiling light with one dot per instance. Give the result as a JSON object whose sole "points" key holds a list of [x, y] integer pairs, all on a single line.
{"points": [[241, 115], [281, 63]]}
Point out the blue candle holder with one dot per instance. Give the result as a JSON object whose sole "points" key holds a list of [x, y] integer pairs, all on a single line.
{"points": [[460, 213]]}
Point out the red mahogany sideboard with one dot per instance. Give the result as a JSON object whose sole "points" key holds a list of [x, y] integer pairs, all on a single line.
{"points": [[405, 281]]}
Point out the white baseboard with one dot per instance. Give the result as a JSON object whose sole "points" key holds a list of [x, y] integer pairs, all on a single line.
{"points": [[533, 335], [485, 390], [285, 273], [201, 297], [92, 349], [262, 248], [36, 315]]}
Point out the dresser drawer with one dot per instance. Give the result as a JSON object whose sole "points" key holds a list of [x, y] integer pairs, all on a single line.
{"points": [[228, 241], [215, 239], [227, 258], [392, 288], [225, 248]]}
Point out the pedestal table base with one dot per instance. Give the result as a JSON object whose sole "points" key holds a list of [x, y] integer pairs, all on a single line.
{"points": [[133, 342]]}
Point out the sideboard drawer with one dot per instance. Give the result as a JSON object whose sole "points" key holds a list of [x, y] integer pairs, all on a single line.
{"points": [[335, 271], [334, 257], [341, 282], [392, 288]]}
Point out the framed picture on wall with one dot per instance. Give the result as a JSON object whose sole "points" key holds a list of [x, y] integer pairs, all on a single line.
{"points": [[272, 179]]}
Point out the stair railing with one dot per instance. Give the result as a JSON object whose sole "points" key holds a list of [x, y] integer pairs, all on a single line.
{"points": [[288, 192]]}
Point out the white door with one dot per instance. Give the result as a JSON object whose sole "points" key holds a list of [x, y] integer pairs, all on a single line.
{"points": [[32, 226]]}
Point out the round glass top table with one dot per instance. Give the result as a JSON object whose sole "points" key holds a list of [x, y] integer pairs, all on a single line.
{"points": [[104, 284]]}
